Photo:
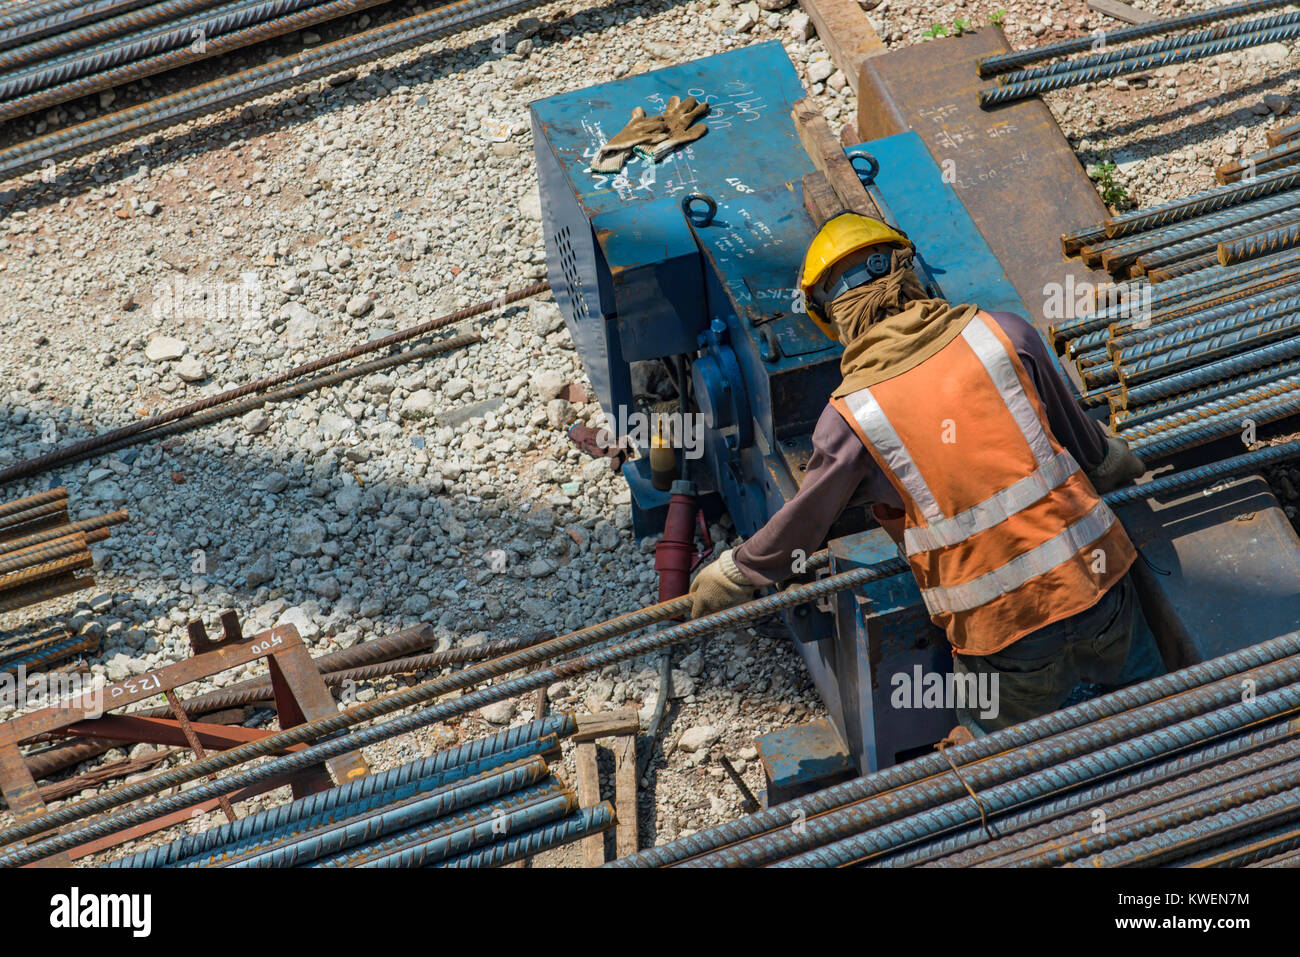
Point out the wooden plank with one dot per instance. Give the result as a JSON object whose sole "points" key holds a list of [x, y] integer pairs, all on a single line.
{"points": [[1120, 11], [606, 724], [625, 837], [846, 33], [828, 156], [593, 846], [818, 197]]}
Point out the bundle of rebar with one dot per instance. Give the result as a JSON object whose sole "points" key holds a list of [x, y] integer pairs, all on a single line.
{"points": [[483, 804], [1197, 768], [41, 551], [1113, 55], [1200, 338], [121, 59], [510, 676]]}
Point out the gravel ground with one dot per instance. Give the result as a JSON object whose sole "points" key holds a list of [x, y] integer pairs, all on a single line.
{"points": [[445, 491]]}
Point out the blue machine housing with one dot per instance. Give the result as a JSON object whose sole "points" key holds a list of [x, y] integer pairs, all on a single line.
{"points": [[709, 284]]}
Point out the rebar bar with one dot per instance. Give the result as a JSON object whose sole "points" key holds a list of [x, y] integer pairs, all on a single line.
{"points": [[1130, 418], [1123, 251], [846, 836], [100, 30], [40, 20], [1164, 44], [1137, 64], [1200, 414], [29, 502], [1282, 134], [1231, 252], [1198, 204], [1213, 372], [1257, 163], [293, 70], [1158, 340], [80, 449], [435, 850], [316, 837], [1216, 830], [1236, 340], [933, 765], [1240, 420], [1057, 816], [118, 62], [1141, 331], [1209, 243], [83, 525], [1004, 62], [442, 766], [588, 821]]}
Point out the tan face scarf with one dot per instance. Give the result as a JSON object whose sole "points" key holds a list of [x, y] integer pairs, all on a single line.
{"points": [[890, 325]]}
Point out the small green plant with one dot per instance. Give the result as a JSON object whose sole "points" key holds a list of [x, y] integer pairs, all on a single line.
{"points": [[1112, 193], [938, 30], [960, 26], [997, 16]]}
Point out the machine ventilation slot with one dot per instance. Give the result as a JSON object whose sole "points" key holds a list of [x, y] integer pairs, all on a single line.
{"points": [[569, 263]]}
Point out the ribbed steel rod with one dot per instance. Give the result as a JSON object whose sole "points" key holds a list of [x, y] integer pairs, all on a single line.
{"points": [[1004, 62], [1282, 134], [359, 856], [588, 821], [1071, 243], [1035, 783], [1163, 808], [62, 531], [1192, 266], [31, 515], [35, 596], [1129, 418], [73, 544], [1121, 252], [29, 502], [1159, 340], [1222, 425], [1210, 242], [1139, 64], [290, 71], [1217, 830], [41, 20], [1222, 345], [1164, 44], [471, 700], [446, 766], [313, 839], [1233, 251], [1166, 296], [74, 39], [1121, 339], [82, 448], [1199, 414], [1062, 814], [1198, 204], [1257, 163], [1260, 849], [932, 766], [122, 62], [42, 654], [1181, 382], [435, 850], [50, 569]]}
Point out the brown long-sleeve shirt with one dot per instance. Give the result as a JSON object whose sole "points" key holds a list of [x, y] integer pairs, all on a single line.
{"points": [[841, 470]]}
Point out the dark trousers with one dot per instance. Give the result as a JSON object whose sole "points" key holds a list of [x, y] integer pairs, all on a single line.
{"points": [[1109, 644]]}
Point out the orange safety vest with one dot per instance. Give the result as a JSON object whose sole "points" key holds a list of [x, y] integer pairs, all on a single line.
{"points": [[1003, 531]]}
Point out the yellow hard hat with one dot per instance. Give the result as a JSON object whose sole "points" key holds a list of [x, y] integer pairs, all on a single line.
{"points": [[840, 236]]}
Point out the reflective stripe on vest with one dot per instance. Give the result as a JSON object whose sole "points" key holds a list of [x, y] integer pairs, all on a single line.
{"points": [[941, 530]]}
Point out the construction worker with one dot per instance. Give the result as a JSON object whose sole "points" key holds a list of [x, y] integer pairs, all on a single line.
{"points": [[956, 426]]}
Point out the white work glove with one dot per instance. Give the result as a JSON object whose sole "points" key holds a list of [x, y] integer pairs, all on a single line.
{"points": [[1120, 465], [718, 586]]}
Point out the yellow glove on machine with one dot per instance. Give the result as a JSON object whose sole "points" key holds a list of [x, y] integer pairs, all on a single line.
{"points": [[718, 586]]}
